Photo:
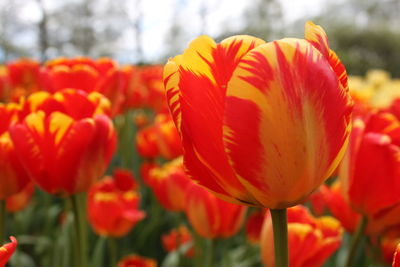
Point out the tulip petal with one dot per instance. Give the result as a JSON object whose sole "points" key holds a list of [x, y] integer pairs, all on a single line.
{"points": [[289, 87]]}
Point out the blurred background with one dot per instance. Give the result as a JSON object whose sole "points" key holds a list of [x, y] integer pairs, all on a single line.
{"points": [[365, 33]]}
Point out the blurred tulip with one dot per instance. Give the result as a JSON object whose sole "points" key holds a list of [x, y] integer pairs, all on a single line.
{"points": [[7, 250], [146, 142], [311, 240], [254, 225], [388, 244], [339, 207], [66, 141], [396, 257], [176, 238], [113, 206], [225, 98], [169, 142], [13, 177], [210, 216], [20, 200], [169, 184], [85, 74], [136, 261], [370, 170]]}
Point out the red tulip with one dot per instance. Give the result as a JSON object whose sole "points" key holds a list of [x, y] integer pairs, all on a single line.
{"points": [[13, 177], [370, 170], [136, 261], [7, 250], [254, 225], [66, 142], [113, 206], [176, 238], [210, 216], [311, 240], [169, 184], [388, 244], [169, 143], [146, 142], [339, 207], [262, 124]]}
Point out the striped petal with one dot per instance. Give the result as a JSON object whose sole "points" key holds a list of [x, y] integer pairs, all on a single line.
{"points": [[204, 71], [286, 122]]}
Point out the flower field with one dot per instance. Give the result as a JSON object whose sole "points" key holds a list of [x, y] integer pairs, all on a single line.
{"points": [[241, 153]]}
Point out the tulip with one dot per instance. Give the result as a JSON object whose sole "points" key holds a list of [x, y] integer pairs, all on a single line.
{"points": [[146, 142], [85, 74], [113, 206], [339, 207], [262, 124], [396, 257], [7, 250], [388, 244], [169, 184], [210, 216], [168, 140], [24, 78], [13, 177], [136, 261], [176, 238], [311, 240], [66, 141], [254, 225], [20, 200]]}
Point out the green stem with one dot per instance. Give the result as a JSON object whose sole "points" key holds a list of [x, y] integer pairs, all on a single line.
{"points": [[2, 220], [279, 225], [78, 207], [355, 241], [112, 246], [211, 253]]}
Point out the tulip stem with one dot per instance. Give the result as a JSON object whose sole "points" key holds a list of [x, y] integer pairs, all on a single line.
{"points": [[2, 220], [211, 252], [112, 245], [279, 225], [355, 241], [78, 207]]}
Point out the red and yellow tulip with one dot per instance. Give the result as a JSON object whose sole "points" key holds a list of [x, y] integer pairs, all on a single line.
{"points": [[210, 216], [311, 240], [169, 184], [261, 124], [176, 238], [66, 140], [13, 177], [113, 206], [7, 250]]}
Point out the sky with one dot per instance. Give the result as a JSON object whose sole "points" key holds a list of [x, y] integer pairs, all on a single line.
{"points": [[157, 15]]}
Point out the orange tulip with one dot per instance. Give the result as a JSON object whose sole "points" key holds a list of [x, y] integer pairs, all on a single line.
{"points": [[20, 200], [169, 184], [13, 176], [113, 206], [210, 216], [254, 225], [136, 261], [370, 170], [311, 240], [262, 124], [66, 141], [7, 250], [177, 238]]}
